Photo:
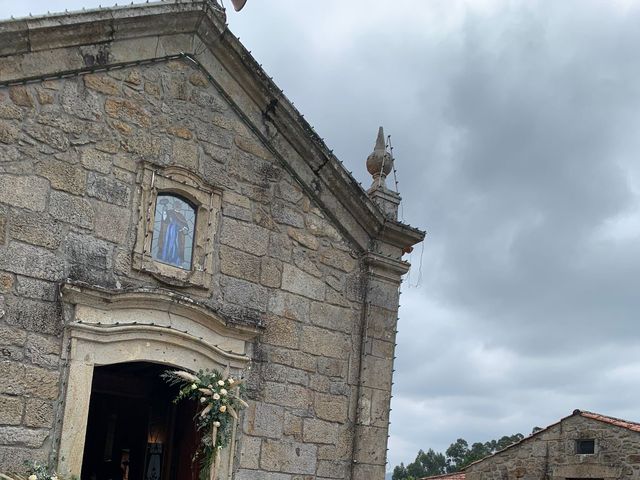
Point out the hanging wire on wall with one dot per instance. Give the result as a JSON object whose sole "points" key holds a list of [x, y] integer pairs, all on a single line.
{"points": [[418, 282], [395, 174]]}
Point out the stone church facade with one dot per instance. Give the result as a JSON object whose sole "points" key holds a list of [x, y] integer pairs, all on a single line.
{"points": [[163, 204]]}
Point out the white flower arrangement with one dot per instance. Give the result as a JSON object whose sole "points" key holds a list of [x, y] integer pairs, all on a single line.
{"points": [[219, 394]]}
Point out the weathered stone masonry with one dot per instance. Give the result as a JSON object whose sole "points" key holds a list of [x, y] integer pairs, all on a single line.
{"points": [[300, 253], [551, 453]]}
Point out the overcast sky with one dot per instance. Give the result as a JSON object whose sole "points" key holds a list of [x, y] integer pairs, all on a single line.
{"points": [[516, 128]]}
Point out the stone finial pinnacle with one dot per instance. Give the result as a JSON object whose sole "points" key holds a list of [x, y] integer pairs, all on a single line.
{"points": [[379, 162], [379, 165], [380, 144]]}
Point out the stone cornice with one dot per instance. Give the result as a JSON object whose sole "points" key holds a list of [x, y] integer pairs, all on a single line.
{"points": [[41, 47], [400, 234], [62, 30], [386, 268]]}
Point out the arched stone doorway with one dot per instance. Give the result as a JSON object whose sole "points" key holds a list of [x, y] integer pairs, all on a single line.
{"points": [[151, 327]]}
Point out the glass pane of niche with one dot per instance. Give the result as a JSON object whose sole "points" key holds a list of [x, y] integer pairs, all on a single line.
{"points": [[173, 231]]}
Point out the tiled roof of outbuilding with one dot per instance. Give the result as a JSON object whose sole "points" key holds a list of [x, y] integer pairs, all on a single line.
{"points": [[610, 420]]}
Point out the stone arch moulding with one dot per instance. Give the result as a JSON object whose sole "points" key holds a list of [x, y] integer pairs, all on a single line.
{"points": [[154, 180], [104, 327]]}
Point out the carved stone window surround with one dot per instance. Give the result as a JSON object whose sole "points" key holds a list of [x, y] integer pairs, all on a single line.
{"points": [[154, 180]]}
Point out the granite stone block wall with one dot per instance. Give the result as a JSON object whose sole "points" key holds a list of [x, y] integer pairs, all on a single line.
{"points": [[70, 156]]}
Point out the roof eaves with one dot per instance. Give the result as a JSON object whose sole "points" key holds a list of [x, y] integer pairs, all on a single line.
{"points": [[47, 32], [309, 145], [618, 422]]}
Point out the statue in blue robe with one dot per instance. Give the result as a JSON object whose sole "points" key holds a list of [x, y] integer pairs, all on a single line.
{"points": [[172, 236]]}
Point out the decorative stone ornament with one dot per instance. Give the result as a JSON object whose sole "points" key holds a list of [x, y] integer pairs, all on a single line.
{"points": [[379, 163], [161, 191], [238, 4]]}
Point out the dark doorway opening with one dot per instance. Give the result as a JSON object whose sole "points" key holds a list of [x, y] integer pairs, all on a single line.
{"points": [[134, 430]]}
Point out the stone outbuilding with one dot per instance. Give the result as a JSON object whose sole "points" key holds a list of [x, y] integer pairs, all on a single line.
{"points": [[584, 445], [163, 205]]}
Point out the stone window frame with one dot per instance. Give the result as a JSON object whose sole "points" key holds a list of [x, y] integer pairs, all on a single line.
{"points": [[578, 443], [207, 201]]}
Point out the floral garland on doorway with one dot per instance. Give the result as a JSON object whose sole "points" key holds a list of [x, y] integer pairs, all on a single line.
{"points": [[219, 394]]}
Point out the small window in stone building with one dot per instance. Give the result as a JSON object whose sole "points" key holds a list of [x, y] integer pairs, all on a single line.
{"points": [[173, 231], [586, 447]]}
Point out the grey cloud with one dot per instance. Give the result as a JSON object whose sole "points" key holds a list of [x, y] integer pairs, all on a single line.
{"points": [[515, 141], [515, 132]]}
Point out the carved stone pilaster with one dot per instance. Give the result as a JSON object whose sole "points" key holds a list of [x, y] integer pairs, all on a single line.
{"points": [[376, 364]]}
